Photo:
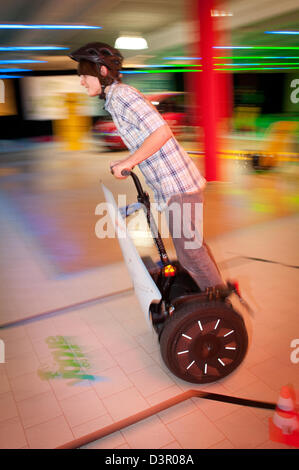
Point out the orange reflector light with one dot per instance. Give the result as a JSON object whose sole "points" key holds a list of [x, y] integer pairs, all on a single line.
{"points": [[169, 270]]}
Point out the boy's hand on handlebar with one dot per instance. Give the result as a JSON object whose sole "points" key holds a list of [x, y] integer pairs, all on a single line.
{"points": [[118, 166]]}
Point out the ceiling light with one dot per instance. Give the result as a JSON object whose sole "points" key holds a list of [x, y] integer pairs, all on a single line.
{"points": [[130, 42], [220, 13]]}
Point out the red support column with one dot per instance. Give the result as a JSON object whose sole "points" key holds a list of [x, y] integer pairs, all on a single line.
{"points": [[208, 91]]}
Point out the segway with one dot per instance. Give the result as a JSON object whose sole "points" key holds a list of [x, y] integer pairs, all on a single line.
{"points": [[202, 337]]}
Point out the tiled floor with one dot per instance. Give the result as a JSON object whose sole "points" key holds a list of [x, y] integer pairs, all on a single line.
{"points": [[42, 407]]}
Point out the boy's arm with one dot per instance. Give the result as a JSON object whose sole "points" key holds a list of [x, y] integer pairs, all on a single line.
{"points": [[151, 145]]}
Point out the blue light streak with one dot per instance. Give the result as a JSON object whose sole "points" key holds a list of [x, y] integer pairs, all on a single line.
{"points": [[47, 26]]}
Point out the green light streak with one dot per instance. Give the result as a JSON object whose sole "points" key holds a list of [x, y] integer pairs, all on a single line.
{"points": [[168, 70], [257, 68], [279, 48]]}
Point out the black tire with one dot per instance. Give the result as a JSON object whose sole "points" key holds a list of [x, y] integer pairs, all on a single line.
{"points": [[202, 343]]}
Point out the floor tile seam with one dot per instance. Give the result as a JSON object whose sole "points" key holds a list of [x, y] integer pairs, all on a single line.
{"points": [[114, 393], [104, 404], [220, 430], [107, 351], [106, 345], [137, 370], [213, 422], [40, 363], [98, 429], [175, 440], [145, 348], [160, 422], [20, 417], [226, 414], [107, 411], [90, 388], [160, 390], [89, 421], [262, 379], [235, 412], [20, 423], [124, 371], [178, 439], [47, 420], [222, 440], [253, 398], [177, 418], [19, 355]]}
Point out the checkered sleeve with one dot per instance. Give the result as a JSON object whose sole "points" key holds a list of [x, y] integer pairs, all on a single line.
{"points": [[135, 110]]}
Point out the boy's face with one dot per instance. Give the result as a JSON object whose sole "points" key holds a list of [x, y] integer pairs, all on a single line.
{"points": [[92, 84]]}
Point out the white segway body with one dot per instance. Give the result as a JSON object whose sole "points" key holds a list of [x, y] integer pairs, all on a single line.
{"points": [[145, 288]]}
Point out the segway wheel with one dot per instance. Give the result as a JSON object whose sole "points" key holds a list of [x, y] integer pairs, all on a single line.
{"points": [[203, 342]]}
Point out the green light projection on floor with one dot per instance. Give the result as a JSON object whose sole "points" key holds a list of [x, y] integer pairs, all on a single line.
{"points": [[69, 362]]}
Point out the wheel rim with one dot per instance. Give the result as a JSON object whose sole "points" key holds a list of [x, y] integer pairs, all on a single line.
{"points": [[207, 349]]}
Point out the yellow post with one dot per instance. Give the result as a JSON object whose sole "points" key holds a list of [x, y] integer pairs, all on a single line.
{"points": [[74, 127]]}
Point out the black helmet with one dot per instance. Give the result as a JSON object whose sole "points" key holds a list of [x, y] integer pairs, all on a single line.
{"points": [[100, 53]]}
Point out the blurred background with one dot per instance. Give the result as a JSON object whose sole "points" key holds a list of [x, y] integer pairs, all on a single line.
{"points": [[224, 75]]}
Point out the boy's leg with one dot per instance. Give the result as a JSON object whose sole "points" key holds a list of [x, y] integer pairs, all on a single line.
{"points": [[184, 214]]}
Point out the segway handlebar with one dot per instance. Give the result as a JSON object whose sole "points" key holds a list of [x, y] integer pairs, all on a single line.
{"points": [[123, 172], [126, 172], [143, 198]]}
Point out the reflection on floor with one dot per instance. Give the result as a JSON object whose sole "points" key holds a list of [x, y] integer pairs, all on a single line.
{"points": [[55, 196], [92, 360]]}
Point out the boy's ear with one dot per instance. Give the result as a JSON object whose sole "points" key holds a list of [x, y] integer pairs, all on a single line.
{"points": [[104, 70]]}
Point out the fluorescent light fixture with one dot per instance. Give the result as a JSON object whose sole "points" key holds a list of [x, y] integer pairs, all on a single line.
{"points": [[130, 42], [14, 70], [32, 48], [282, 32], [20, 61], [47, 26], [220, 13]]}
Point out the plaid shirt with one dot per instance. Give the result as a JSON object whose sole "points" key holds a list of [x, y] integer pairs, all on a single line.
{"points": [[170, 170]]}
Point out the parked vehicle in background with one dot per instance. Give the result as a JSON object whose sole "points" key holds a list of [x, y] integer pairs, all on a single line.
{"points": [[171, 105]]}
